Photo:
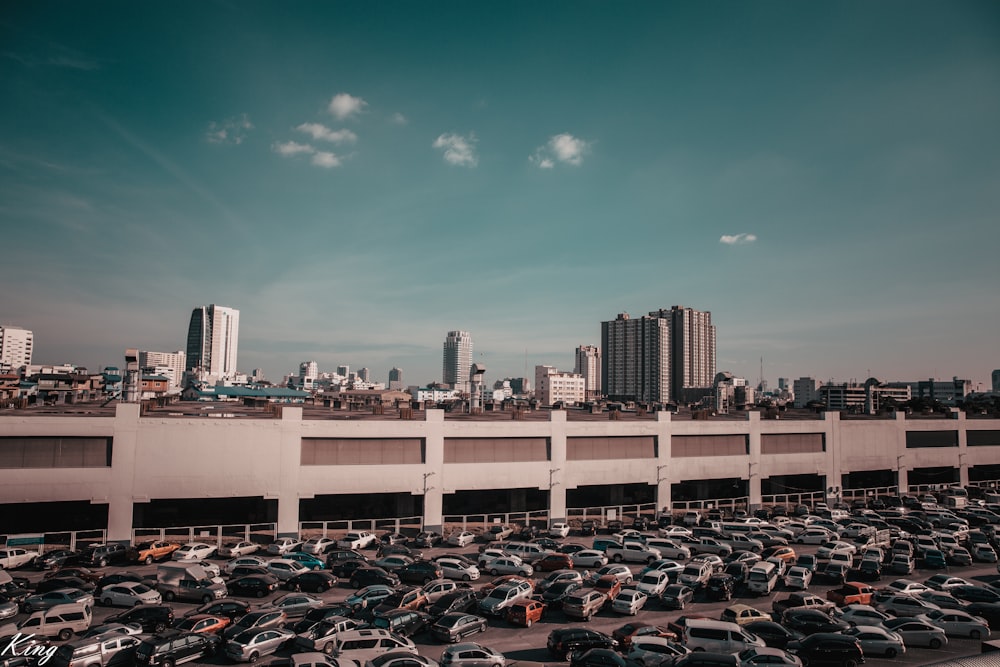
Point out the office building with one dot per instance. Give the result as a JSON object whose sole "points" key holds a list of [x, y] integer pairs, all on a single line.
{"points": [[213, 339], [15, 347], [804, 390], [169, 364], [867, 398], [552, 386], [396, 379], [364, 375], [588, 364], [457, 360]]}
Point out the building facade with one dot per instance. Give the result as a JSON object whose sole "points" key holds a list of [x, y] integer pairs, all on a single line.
{"points": [[170, 364], [552, 386], [213, 342], [588, 364], [804, 390], [457, 361], [15, 347], [396, 379], [636, 359]]}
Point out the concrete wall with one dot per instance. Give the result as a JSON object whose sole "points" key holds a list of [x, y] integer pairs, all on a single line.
{"points": [[158, 458]]}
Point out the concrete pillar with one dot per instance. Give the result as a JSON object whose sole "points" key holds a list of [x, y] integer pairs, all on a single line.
{"points": [[289, 460], [663, 472], [433, 482], [963, 449], [123, 454], [753, 461], [557, 466], [902, 477]]}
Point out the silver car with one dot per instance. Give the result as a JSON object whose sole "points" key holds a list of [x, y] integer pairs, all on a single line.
{"points": [[916, 633], [249, 646], [470, 654], [957, 623], [875, 640]]}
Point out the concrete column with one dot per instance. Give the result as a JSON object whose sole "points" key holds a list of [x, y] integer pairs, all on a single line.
{"points": [[557, 466], [663, 472], [123, 453], [289, 460], [963, 449], [834, 450], [433, 482], [753, 461], [902, 477]]}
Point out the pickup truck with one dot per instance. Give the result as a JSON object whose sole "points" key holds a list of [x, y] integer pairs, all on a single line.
{"points": [[800, 601], [632, 552], [850, 593], [147, 552]]}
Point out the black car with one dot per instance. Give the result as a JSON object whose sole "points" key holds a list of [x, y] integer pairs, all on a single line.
{"points": [[528, 533], [774, 634], [232, 609], [676, 596], [343, 569], [368, 576], [152, 617], [56, 559], [103, 555], [547, 543], [613, 526], [597, 657], [124, 577], [405, 622], [172, 647], [986, 610], [705, 659], [720, 587], [812, 621], [868, 570], [316, 581], [640, 523], [254, 585], [563, 641], [241, 571], [419, 572], [973, 593], [588, 527], [55, 583], [739, 571], [256, 620], [320, 614], [463, 600], [454, 626], [559, 591], [335, 554], [427, 539], [826, 648]]}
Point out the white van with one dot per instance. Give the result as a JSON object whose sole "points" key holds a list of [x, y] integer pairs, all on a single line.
{"points": [[763, 578], [364, 645], [703, 634], [61, 621]]}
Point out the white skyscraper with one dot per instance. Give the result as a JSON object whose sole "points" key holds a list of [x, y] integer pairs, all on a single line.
{"points": [[171, 364], [588, 364], [457, 360], [213, 338], [15, 347]]}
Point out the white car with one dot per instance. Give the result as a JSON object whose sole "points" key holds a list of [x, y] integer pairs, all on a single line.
{"points": [[462, 538], [318, 545], [653, 582], [284, 569], [674, 531], [194, 551], [237, 549], [629, 601], [452, 568], [283, 545], [957, 623], [129, 594], [357, 540], [508, 565], [589, 558], [651, 650], [830, 548], [13, 557], [248, 561], [906, 587], [860, 614], [798, 578], [814, 536], [876, 640], [559, 529], [438, 588]]}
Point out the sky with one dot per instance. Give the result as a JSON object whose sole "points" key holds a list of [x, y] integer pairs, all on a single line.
{"points": [[359, 178]]}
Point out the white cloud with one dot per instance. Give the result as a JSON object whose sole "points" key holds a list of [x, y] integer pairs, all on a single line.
{"points": [[289, 148], [561, 148], [343, 105], [321, 132], [230, 131], [399, 119], [458, 150], [326, 160], [737, 239]]}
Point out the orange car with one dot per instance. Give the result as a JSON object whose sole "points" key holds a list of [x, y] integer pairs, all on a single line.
{"points": [[786, 554], [525, 612], [150, 551], [609, 585], [206, 623]]}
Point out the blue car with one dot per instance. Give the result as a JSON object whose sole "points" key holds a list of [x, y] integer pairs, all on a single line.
{"points": [[310, 561]]}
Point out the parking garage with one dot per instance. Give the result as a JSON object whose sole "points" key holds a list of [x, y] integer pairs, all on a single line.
{"points": [[163, 513], [53, 516], [351, 506]]}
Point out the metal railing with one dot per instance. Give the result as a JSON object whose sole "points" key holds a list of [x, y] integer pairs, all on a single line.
{"points": [[793, 498], [261, 533], [625, 513], [481, 522], [410, 525], [42, 542], [740, 502], [875, 491]]}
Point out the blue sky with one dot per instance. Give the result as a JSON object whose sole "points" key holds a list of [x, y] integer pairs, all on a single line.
{"points": [[358, 178]]}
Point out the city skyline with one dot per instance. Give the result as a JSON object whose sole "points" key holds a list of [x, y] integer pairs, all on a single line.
{"points": [[358, 180]]}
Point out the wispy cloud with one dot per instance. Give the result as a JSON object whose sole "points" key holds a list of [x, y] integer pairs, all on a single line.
{"points": [[737, 239], [399, 119], [289, 148], [321, 132], [458, 150], [326, 159], [344, 106], [230, 131], [563, 148]]}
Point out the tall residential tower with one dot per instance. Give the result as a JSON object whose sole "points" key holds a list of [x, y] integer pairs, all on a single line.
{"points": [[457, 360], [213, 338], [15, 347], [588, 364]]}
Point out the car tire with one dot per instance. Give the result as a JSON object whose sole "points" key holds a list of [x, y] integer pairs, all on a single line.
{"points": [[528, 622], [494, 572], [466, 577], [65, 634], [148, 560], [168, 596], [205, 599], [167, 663], [975, 634], [935, 643], [259, 594], [328, 648], [253, 657], [159, 626], [850, 662], [890, 653], [355, 583], [102, 563]]}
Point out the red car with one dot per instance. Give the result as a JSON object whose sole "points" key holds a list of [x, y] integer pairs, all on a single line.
{"points": [[553, 562]]}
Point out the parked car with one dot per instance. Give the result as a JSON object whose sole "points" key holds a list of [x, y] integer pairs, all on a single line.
{"points": [[455, 626], [129, 594], [238, 548], [251, 645], [172, 647], [194, 551]]}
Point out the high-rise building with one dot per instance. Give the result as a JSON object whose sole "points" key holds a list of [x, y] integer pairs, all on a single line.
{"points": [[658, 358], [344, 371], [457, 360], [804, 390], [308, 372], [588, 364], [996, 380], [213, 338], [170, 364], [364, 375], [396, 379], [15, 347]]}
